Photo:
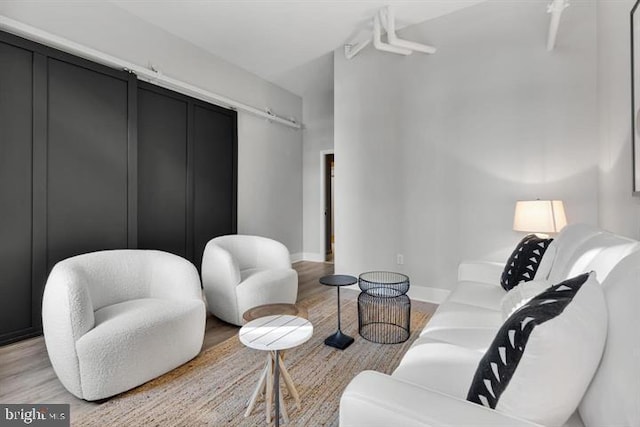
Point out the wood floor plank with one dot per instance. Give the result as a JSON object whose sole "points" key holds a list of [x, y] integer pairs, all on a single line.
{"points": [[26, 375]]}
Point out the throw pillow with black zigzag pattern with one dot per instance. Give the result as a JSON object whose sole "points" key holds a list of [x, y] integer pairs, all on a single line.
{"points": [[524, 261]]}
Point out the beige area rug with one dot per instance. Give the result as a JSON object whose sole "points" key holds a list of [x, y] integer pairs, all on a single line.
{"points": [[211, 390]]}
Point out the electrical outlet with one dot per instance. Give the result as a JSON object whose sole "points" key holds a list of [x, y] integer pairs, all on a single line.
{"points": [[400, 259]]}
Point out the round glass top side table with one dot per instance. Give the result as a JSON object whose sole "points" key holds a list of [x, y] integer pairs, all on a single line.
{"points": [[338, 340]]}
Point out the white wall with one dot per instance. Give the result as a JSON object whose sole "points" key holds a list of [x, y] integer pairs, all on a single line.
{"points": [[318, 138], [270, 155], [433, 151], [619, 211], [314, 82]]}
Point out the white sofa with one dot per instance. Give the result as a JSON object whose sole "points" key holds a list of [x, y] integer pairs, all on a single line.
{"points": [[116, 319], [430, 385], [240, 272]]}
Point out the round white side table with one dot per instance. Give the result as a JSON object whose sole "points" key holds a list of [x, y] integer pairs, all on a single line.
{"points": [[273, 334]]}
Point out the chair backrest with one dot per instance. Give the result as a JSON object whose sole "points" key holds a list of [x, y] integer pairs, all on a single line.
{"points": [[255, 251], [613, 397], [111, 276]]}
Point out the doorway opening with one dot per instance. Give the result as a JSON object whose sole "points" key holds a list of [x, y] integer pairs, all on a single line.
{"points": [[328, 163]]}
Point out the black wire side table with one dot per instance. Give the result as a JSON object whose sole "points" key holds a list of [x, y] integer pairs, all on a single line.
{"points": [[384, 309]]}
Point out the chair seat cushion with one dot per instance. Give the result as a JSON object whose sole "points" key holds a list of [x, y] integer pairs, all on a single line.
{"points": [[272, 286], [134, 341], [264, 274]]}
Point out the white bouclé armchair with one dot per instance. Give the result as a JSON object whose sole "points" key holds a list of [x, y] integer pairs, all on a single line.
{"points": [[240, 272], [116, 319]]}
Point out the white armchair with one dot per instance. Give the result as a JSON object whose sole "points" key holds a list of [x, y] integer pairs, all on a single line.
{"points": [[116, 319], [240, 272]]}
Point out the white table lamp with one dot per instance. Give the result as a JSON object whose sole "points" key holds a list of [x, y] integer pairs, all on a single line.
{"points": [[539, 216]]}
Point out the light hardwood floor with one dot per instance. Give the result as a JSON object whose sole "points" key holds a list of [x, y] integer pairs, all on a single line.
{"points": [[26, 376]]}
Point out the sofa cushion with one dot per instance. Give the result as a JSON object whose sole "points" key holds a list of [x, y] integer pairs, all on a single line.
{"points": [[580, 250], [547, 261], [473, 338], [520, 295], [444, 367], [452, 314], [524, 261], [544, 356], [477, 294]]}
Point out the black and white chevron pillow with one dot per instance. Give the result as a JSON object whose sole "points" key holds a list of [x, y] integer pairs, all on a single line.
{"points": [[524, 261], [544, 356]]}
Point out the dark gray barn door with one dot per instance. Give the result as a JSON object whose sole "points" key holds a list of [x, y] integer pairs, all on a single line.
{"points": [[162, 171], [186, 172], [214, 177], [16, 144], [86, 161]]}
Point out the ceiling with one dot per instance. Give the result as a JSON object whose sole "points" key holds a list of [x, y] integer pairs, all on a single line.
{"points": [[274, 38]]}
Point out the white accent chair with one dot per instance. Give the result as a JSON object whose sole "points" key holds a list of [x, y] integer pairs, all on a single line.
{"points": [[240, 272], [116, 319]]}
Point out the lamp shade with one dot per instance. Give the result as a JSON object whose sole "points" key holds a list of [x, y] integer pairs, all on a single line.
{"points": [[539, 216]]}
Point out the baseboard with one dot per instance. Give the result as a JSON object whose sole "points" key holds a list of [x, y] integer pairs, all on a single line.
{"points": [[307, 256], [428, 294], [418, 293]]}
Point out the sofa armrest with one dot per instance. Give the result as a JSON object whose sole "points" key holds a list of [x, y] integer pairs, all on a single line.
{"points": [[488, 272], [376, 399]]}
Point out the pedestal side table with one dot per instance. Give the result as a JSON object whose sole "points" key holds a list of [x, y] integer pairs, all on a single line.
{"points": [[338, 340], [274, 334]]}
